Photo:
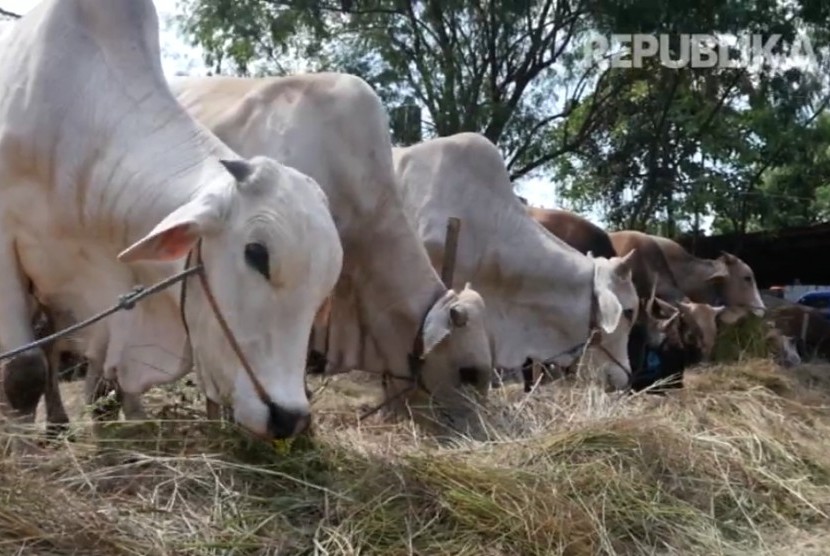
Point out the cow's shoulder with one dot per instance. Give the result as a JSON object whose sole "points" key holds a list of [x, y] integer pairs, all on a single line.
{"points": [[327, 93], [323, 105], [627, 240], [671, 249]]}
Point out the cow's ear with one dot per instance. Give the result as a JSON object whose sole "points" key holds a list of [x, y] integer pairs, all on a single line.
{"points": [[718, 271], [175, 236], [168, 244], [610, 310], [439, 322], [728, 258]]}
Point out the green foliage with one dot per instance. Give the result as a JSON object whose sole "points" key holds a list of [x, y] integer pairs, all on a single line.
{"points": [[654, 147], [744, 144], [505, 68]]}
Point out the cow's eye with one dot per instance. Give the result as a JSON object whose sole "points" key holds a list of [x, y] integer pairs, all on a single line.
{"points": [[748, 279], [256, 255], [628, 314]]}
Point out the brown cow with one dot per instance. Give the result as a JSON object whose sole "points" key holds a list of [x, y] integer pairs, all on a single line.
{"points": [[662, 346], [576, 231], [682, 335], [726, 280], [651, 273], [704, 318], [650, 266]]}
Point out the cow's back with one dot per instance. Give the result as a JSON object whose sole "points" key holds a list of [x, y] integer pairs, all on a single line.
{"points": [[576, 231], [649, 264], [324, 124], [673, 251]]}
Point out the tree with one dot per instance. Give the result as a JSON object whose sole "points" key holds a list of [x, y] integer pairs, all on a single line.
{"points": [[506, 68], [656, 148], [685, 143]]}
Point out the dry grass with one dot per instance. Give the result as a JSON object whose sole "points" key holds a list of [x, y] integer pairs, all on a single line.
{"points": [[738, 463]]}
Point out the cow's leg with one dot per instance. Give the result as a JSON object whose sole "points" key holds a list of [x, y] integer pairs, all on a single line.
{"points": [[57, 421], [497, 380], [131, 405], [24, 383], [96, 387], [23, 377], [72, 366], [553, 372], [527, 375]]}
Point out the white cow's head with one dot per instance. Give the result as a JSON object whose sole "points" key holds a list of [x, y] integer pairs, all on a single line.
{"points": [[458, 352], [616, 312], [272, 255]]}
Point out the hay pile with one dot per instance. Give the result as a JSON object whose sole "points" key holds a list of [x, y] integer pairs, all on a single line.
{"points": [[738, 463], [744, 340]]}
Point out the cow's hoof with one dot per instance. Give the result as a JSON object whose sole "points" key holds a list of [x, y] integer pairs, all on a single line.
{"points": [[58, 431], [106, 409]]}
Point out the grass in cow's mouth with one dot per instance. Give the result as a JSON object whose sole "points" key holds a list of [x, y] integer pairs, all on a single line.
{"points": [[744, 340], [736, 464]]}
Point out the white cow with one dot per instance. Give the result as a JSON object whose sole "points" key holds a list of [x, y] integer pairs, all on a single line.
{"points": [[105, 182], [542, 295], [389, 298]]}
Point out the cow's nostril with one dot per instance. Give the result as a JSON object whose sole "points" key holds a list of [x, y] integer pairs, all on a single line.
{"points": [[285, 423]]}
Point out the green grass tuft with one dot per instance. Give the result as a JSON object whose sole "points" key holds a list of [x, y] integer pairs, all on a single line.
{"points": [[746, 339]]}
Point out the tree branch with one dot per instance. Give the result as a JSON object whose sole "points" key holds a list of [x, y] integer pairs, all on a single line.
{"points": [[597, 102], [527, 72], [11, 15]]}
